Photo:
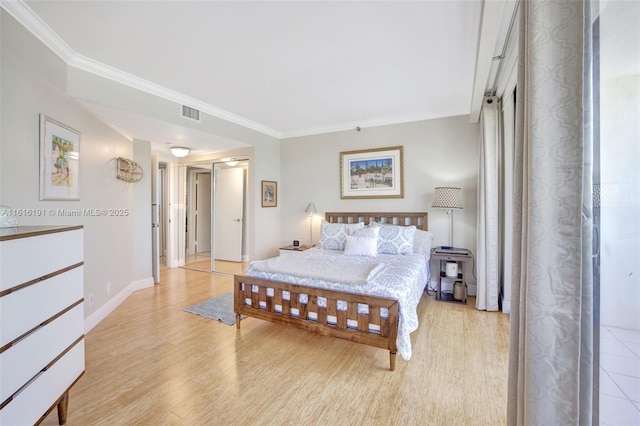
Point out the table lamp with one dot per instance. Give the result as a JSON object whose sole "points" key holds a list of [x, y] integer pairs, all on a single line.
{"points": [[311, 209], [446, 197]]}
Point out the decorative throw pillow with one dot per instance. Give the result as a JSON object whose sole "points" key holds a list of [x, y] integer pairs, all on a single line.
{"points": [[395, 239], [333, 236], [361, 246]]}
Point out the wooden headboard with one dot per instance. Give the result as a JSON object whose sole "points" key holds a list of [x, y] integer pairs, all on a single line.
{"points": [[404, 219]]}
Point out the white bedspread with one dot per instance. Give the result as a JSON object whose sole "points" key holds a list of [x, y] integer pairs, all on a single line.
{"points": [[324, 268], [398, 277]]}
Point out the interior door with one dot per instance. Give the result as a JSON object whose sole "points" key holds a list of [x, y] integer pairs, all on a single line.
{"points": [[203, 213], [229, 213]]}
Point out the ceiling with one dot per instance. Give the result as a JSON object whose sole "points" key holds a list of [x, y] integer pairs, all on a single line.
{"points": [[284, 69]]}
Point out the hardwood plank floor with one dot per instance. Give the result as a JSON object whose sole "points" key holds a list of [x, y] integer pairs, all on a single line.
{"points": [[149, 362]]}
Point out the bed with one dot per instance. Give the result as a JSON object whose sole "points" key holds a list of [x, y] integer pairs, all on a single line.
{"points": [[336, 291]]}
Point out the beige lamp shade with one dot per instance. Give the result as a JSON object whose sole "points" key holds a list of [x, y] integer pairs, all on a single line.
{"points": [[447, 197]]}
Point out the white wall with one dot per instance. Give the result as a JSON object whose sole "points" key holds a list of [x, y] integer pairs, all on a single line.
{"points": [[436, 152], [267, 232], [34, 82], [141, 244]]}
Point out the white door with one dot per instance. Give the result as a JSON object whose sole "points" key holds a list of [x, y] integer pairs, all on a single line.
{"points": [[229, 213], [203, 213]]}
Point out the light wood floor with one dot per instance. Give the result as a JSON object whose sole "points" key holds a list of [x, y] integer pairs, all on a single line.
{"points": [[222, 266], [149, 362]]}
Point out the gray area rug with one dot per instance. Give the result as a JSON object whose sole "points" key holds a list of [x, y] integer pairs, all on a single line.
{"points": [[219, 308]]}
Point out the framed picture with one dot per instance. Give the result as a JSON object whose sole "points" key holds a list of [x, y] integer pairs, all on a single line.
{"points": [[372, 173], [269, 193], [59, 161]]}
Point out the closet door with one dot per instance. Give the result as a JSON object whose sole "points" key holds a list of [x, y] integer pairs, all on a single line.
{"points": [[229, 214]]}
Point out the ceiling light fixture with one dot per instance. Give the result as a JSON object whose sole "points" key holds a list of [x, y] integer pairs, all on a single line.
{"points": [[179, 151], [230, 162]]}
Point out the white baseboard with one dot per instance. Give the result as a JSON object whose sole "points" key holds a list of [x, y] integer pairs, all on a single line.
{"points": [[104, 310], [143, 283]]}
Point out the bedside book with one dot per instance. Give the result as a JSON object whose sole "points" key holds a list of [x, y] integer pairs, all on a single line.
{"points": [[451, 250]]}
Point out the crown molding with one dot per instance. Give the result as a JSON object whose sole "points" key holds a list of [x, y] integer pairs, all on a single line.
{"points": [[32, 22], [36, 26], [383, 121], [114, 74]]}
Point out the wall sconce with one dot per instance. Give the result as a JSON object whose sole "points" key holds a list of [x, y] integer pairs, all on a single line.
{"points": [[311, 209], [179, 151], [446, 197]]}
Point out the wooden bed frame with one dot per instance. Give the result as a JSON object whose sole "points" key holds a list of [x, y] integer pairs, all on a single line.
{"points": [[296, 314]]}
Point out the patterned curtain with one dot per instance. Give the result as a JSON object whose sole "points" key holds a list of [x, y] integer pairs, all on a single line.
{"points": [[488, 289], [551, 346]]}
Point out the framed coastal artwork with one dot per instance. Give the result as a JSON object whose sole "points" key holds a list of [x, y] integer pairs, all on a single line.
{"points": [[372, 173], [59, 161], [269, 193]]}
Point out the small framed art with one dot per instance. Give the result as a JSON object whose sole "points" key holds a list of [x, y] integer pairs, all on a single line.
{"points": [[59, 161], [269, 193]]}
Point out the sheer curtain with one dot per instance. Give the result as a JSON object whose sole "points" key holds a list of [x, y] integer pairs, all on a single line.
{"points": [[551, 353], [488, 289]]}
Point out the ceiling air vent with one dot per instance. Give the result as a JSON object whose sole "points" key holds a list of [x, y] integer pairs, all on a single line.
{"points": [[190, 113]]}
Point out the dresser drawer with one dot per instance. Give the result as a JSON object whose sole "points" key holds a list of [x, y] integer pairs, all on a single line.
{"points": [[33, 402], [25, 259], [38, 349], [26, 308]]}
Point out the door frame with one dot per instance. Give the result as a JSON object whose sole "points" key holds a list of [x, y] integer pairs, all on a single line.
{"points": [[192, 172], [179, 210]]}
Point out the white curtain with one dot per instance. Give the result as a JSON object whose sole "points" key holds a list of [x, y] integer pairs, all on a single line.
{"points": [[551, 346], [488, 289]]}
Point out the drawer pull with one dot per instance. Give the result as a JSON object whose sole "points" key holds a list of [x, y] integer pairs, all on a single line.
{"points": [[39, 326], [39, 279]]}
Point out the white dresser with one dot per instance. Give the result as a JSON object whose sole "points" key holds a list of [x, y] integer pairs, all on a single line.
{"points": [[41, 320]]}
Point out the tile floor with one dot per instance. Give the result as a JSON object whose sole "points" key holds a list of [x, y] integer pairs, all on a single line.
{"points": [[619, 377]]}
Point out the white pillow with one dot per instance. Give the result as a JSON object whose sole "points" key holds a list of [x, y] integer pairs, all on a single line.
{"points": [[395, 239], [361, 246], [422, 243], [366, 232], [333, 236]]}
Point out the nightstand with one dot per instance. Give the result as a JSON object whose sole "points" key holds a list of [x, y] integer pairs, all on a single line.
{"points": [[292, 250], [461, 258]]}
